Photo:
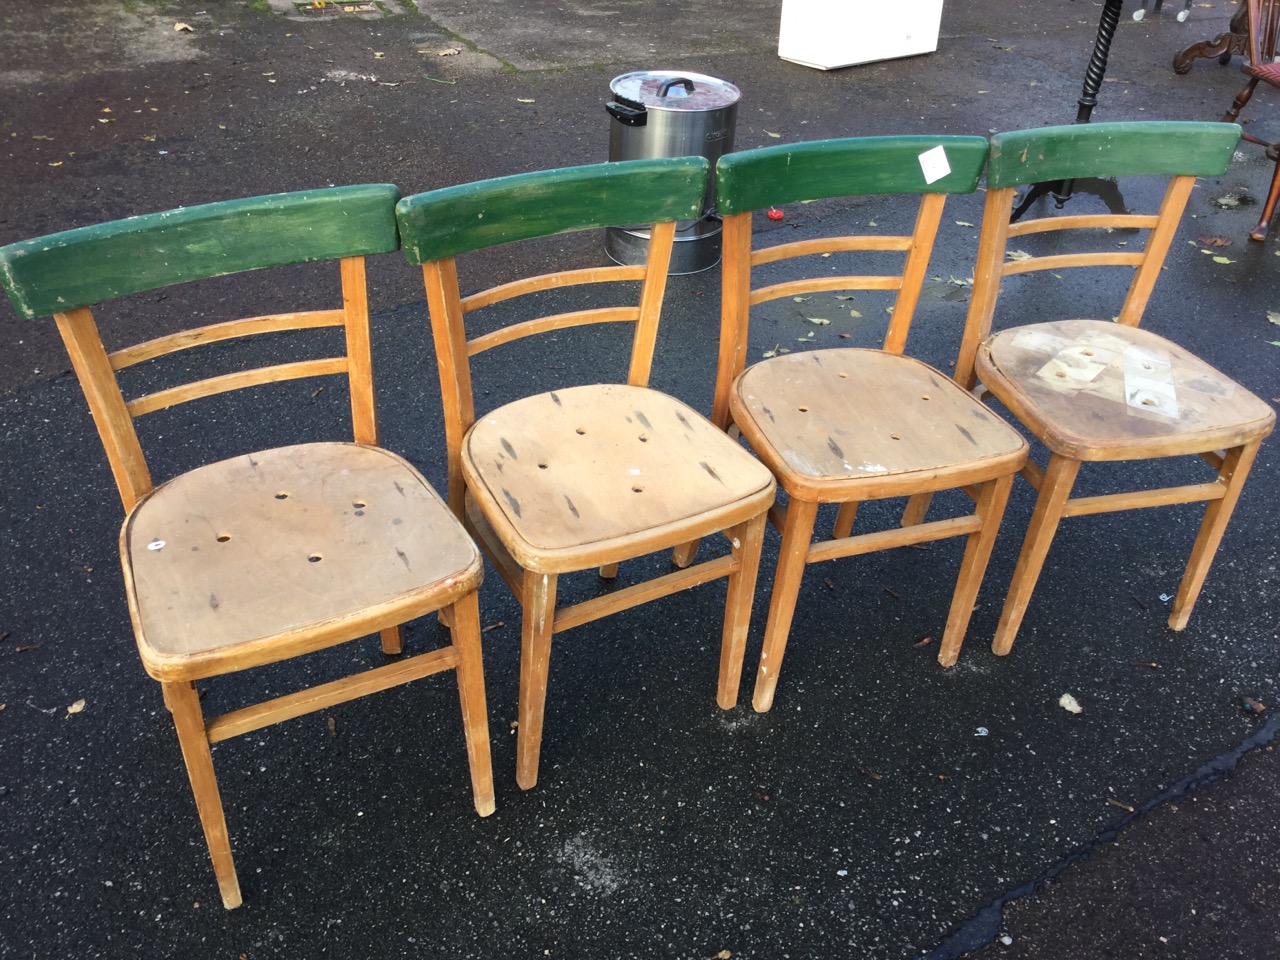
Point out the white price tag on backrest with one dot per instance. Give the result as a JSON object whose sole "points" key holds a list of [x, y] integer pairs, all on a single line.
{"points": [[934, 164]]}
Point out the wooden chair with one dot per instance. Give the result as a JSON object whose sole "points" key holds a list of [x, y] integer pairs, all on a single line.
{"points": [[1264, 31], [1098, 390], [848, 425], [281, 552], [588, 476]]}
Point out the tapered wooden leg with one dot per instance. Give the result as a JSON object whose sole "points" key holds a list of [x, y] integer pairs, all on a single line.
{"points": [[845, 518], [992, 498], [164, 692], [747, 540], [475, 713], [797, 535], [187, 717], [683, 555], [1273, 195], [538, 597], [1235, 468], [1055, 488], [391, 642], [1242, 98], [916, 509]]}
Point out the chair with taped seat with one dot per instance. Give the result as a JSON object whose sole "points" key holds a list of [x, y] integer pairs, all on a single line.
{"points": [[1263, 36], [267, 556], [1102, 390], [591, 475], [849, 425]]}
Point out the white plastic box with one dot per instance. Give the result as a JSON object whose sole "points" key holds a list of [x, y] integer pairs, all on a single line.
{"points": [[828, 34]]}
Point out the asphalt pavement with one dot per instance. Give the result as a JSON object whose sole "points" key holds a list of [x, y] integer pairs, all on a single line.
{"points": [[885, 807]]}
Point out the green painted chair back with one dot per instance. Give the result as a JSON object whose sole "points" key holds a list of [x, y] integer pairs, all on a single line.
{"points": [[439, 226], [1178, 150], [66, 274], [1128, 148], [912, 169]]}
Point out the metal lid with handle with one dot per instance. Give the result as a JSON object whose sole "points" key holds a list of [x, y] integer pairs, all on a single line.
{"points": [[635, 93]]}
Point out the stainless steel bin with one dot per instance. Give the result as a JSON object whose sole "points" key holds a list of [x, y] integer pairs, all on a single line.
{"points": [[662, 113]]}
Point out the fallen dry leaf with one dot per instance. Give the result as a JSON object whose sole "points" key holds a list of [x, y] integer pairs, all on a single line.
{"points": [[1070, 704], [963, 223], [1274, 316], [183, 28], [524, 100], [1018, 255], [820, 321], [1223, 260], [1216, 241], [76, 707], [776, 136]]}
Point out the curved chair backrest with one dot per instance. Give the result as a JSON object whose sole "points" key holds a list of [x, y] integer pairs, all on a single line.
{"points": [[908, 166], [438, 226], [471, 216], [1169, 148], [1179, 150], [89, 265], [858, 166], [65, 274]]}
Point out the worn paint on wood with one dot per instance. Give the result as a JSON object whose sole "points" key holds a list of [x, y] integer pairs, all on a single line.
{"points": [[1098, 390], [455, 220], [1122, 148], [564, 473], [856, 424], [81, 267], [754, 179]]}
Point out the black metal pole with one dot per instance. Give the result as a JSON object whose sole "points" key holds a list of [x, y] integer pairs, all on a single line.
{"points": [[1061, 190]]}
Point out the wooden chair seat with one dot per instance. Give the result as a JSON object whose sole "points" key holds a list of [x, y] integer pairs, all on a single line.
{"points": [[852, 424], [1097, 390], [1270, 72], [595, 474], [262, 557]]}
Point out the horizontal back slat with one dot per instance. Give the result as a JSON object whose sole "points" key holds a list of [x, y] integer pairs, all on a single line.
{"points": [[454, 220], [88, 265], [858, 166], [1126, 148]]}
